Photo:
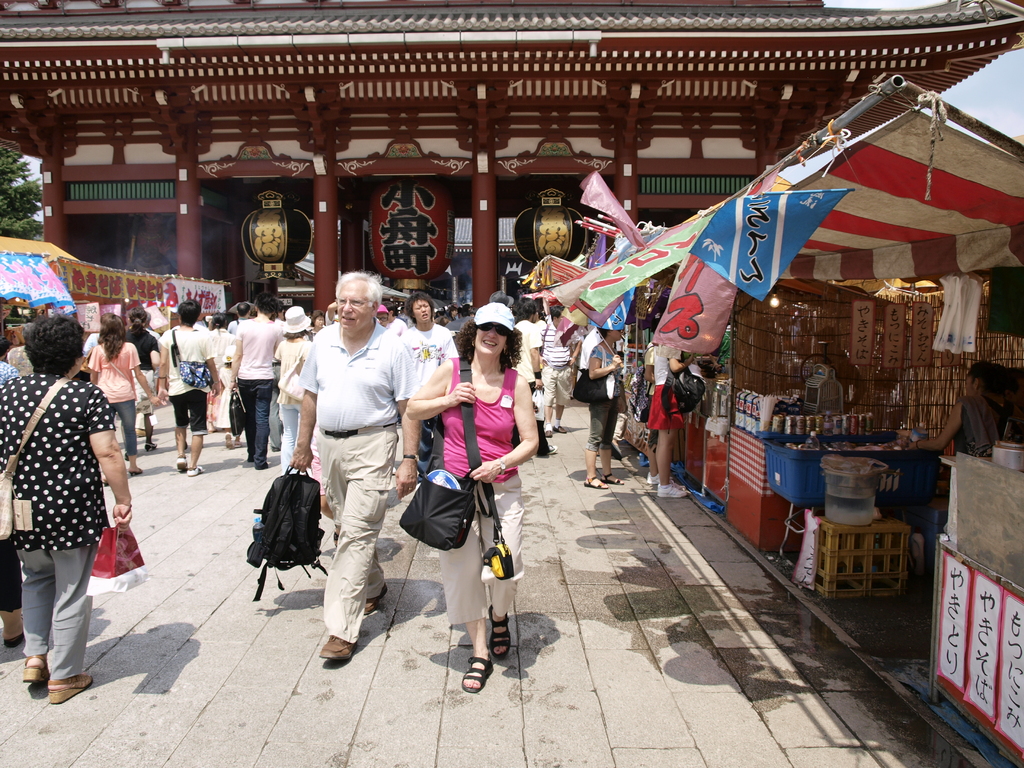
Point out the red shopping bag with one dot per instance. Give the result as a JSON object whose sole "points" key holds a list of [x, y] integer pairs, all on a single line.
{"points": [[118, 566]]}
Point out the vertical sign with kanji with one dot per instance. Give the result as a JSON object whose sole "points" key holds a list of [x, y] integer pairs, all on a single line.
{"points": [[948, 360], [956, 590], [894, 335], [922, 315], [1010, 722], [982, 653], [89, 317], [862, 331]]}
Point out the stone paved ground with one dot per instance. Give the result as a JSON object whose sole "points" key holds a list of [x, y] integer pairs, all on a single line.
{"points": [[630, 649]]}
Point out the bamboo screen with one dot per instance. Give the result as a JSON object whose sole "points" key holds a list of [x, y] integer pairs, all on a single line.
{"points": [[775, 348]]}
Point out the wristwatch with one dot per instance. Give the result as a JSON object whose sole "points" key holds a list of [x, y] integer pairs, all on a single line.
{"points": [[501, 463], [412, 456]]}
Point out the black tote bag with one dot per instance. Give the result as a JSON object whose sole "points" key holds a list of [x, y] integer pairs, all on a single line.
{"points": [[438, 516], [588, 390], [236, 414]]}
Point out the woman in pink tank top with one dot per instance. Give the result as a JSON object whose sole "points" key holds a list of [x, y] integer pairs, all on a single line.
{"points": [[501, 400]]}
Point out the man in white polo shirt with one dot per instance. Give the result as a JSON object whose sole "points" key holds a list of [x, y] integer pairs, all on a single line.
{"points": [[357, 379]]}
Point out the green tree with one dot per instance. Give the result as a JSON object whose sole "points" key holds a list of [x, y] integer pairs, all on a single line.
{"points": [[20, 197]]}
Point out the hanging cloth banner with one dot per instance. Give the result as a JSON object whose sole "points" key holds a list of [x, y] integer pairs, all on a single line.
{"points": [[597, 195], [752, 240], [894, 335], [27, 277], [862, 331], [672, 247], [922, 314], [698, 309], [617, 309], [209, 296]]}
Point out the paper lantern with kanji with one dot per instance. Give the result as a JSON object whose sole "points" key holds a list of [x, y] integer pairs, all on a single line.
{"points": [[412, 229], [549, 229], [276, 238]]}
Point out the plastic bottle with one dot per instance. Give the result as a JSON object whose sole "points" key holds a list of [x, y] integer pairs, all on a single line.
{"points": [[812, 443], [257, 529], [830, 424]]}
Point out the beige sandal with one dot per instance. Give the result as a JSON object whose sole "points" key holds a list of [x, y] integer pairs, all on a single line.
{"points": [[35, 674], [68, 688]]}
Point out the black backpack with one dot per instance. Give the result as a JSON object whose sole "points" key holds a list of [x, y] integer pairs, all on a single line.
{"points": [[291, 528], [682, 392]]}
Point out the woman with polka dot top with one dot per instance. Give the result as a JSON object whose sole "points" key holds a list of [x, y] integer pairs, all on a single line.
{"points": [[59, 473]]}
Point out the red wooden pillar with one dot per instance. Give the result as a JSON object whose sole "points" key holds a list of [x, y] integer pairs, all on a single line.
{"points": [[627, 181], [351, 244], [485, 229], [55, 221], [189, 218], [325, 230]]}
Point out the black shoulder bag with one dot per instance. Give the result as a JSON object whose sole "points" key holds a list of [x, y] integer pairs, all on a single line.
{"points": [[438, 516]]}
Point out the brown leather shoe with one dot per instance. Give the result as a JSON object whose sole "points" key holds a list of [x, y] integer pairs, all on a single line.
{"points": [[337, 649], [373, 602]]}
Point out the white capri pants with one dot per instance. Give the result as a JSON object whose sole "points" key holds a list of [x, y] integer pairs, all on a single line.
{"points": [[466, 579]]}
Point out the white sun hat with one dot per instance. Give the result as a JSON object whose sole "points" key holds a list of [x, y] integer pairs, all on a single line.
{"points": [[295, 320]]}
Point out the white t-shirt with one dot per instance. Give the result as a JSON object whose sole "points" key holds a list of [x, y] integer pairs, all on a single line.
{"points": [[193, 346], [259, 340], [531, 340], [429, 349], [397, 327]]}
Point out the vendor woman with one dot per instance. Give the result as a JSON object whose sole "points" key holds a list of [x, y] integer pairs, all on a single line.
{"points": [[972, 424]]}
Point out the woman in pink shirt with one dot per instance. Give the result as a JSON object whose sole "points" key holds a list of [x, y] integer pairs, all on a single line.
{"points": [[501, 399], [114, 367]]}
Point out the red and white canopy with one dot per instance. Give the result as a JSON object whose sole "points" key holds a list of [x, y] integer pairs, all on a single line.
{"points": [[887, 229]]}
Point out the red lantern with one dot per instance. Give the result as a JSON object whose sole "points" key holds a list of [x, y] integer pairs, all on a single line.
{"points": [[412, 229]]}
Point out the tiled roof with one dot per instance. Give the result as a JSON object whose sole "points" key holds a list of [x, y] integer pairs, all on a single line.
{"points": [[344, 20], [464, 232]]}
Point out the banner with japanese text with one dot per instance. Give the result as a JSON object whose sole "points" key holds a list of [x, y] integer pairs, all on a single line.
{"points": [[894, 334], [666, 251], [89, 282], [922, 320], [210, 296], [698, 309], [752, 240], [862, 331]]}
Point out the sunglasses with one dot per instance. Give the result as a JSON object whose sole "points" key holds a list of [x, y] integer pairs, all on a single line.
{"points": [[501, 330]]}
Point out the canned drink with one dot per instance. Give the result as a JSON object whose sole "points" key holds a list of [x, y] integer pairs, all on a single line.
{"points": [[841, 424], [801, 425], [819, 424], [778, 422], [854, 424], [868, 423], [790, 425]]}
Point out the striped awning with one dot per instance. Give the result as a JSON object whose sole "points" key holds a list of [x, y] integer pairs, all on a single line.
{"points": [[887, 228]]}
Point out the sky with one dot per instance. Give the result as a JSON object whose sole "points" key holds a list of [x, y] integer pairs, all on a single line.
{"points": [[985, 94]]}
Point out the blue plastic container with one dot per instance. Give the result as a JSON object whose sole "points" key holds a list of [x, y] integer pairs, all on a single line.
{"points": [[796, 475], [931, 522]]}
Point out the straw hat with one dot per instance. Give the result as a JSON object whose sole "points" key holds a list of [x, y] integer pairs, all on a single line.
{"points": [[295, 320]]}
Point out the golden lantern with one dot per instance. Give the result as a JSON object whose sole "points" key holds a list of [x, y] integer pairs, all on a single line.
{"points": [[276, 238], [549, 229]]}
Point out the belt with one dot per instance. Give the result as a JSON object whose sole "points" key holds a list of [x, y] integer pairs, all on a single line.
{"points": [[354, 432]]}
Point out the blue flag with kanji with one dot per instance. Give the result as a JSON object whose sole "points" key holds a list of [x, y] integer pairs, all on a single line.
{"points": [[751, 240]]}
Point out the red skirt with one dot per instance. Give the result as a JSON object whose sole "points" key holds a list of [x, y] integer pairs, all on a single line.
{"points": [[658, 418]]}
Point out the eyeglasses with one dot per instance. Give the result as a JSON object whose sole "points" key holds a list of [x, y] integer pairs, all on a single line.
{"points": [[501, 330], [354, 303]]}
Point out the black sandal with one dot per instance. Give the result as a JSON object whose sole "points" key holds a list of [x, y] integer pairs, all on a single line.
{"points": [[475, 674], [496, 640], [611, 479]]}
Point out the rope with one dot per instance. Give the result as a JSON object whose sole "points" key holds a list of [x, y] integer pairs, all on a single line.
{"points": [[931, 100]]}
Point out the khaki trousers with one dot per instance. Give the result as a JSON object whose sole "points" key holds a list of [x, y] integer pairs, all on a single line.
{"points": [[465, 578], [358, 472]]}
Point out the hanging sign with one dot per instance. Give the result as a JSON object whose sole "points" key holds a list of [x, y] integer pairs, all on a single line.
{"points": [[922, 315], [1011, 671], [948, 360], [894, 323], [89, 317], [412, 229], [209, 296], [862, 331], [952, 656], [698, 309], [986, 604]]}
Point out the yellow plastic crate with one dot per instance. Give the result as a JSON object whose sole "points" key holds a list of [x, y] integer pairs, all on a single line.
{"points": [[862, 560]]}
